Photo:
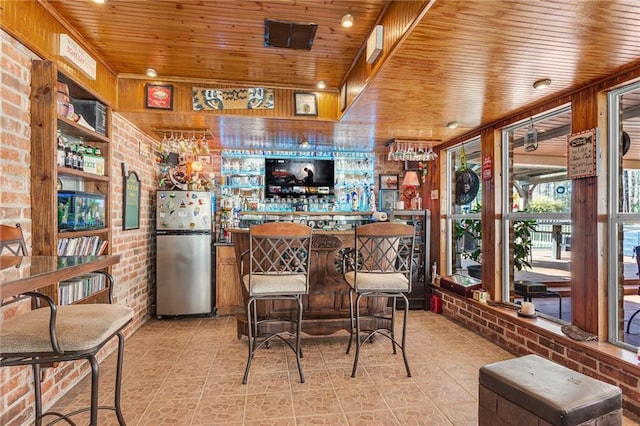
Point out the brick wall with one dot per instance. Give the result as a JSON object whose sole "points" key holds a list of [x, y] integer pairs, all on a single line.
{"points": [[134, 274], [502, 327], [136, 247], [15, 202]]}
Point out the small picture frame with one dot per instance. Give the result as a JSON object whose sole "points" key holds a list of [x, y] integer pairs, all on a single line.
{"points": [[387, 199], [412, 165], [158, 96], [388, 181], [306, 103]]}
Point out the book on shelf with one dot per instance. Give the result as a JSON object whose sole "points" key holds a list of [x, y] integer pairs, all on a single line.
{"points": [[82, 246], [80, 288]]}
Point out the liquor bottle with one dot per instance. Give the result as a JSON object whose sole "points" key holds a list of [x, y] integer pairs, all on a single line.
{"points": [[81, 157], [68, 156], [60, 153], [74, 156]]}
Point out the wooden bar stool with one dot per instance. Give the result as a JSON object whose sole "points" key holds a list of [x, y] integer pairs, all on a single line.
{"points": [[61, 333], [380, 265], [279, 257]]}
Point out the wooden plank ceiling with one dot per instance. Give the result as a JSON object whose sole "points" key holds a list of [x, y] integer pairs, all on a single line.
{"points": [[471, 62]]}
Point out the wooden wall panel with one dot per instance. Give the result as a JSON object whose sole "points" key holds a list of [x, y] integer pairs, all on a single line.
{"points": [[397, 20], [585, 259], [131, 99], [34, 25]]}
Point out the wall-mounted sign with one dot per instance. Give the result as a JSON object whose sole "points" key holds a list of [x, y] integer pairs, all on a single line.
{"points": [[487, 168], [158, 96], [245, 98], [582, 154], [72, 51], [131, 202]]}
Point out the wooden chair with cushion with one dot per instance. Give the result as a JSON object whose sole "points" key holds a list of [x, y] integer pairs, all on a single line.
{"points": [[279, 257], [61, 333], [380, 265]]}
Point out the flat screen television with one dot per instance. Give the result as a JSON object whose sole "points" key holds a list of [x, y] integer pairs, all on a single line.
{"points": [[291, 177]]}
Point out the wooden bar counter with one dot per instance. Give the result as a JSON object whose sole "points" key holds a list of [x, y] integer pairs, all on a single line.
{"points": [[326, 308]]}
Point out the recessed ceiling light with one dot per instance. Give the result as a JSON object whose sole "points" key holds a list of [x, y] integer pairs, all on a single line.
{"points": [[347, 20], [542, 83], [322, 84], [452, 125], [151, 72], [100, 1]]}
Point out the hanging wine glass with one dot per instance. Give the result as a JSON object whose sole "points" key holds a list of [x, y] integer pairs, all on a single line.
{"points": [[391, 155], [164, 145], [204, 145], [173, 143]]}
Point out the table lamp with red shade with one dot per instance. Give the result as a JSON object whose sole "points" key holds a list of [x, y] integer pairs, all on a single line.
{"points": [[411, 183]]}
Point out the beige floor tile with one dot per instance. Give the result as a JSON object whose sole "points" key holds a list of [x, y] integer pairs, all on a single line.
{"points": [[224, 385], [426, 414], [275, 382], [314, 402], [272, 422], [189, 372], [178, 412], [264, 406], [355, 399], [372, 418], [402, 395], [325, 419], [219, 410], [463, 414], [186, 387]]}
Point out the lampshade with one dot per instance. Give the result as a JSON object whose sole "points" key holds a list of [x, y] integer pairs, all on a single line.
{"points": [[411, 179]]}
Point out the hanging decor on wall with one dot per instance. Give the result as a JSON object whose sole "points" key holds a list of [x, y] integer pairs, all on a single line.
{"points": [[131, 200], [244, 98], [467, 182], [531, 138], [582, 154]]}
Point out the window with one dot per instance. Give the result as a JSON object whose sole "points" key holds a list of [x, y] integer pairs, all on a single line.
{"points": [[464, 164], [624, 213], [537, 219]]}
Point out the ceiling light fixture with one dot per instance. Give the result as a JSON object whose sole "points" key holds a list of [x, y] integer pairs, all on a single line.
{"points": [[322, 84], [100, 1], [542, 83], [151, 72], [347, 20], [452, 125]]}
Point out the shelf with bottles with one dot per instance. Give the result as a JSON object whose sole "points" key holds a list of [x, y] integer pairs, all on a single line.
{"points": [[88, 123]]}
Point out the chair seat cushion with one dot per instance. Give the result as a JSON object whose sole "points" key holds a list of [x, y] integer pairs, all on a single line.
{"points": [[374, 281], [78, 328], [263, 285]]}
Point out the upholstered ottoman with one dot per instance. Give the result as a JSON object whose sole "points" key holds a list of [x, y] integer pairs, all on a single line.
{"points": [[532, 390]]}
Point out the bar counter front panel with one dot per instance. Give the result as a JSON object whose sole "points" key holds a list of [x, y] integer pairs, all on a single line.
{"points": [[326, 308]]}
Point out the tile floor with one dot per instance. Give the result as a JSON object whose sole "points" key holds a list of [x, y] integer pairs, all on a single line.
{"points": [[189, 372]]}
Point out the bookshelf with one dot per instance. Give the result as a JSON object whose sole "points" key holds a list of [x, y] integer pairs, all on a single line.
{"points": [[47, 175]]}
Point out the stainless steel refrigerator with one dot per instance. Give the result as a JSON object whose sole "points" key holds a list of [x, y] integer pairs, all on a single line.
{"points": [[183, 253]]}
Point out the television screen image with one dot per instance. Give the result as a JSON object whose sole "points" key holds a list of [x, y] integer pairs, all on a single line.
{"points": [[288, 177]]}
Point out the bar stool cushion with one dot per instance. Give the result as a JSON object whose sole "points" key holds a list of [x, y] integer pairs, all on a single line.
{"points": [[78, 328], [371, 281], [276, 284]]}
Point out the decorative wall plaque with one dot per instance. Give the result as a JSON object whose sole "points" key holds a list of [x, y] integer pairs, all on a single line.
{"points": [[582, 154]]}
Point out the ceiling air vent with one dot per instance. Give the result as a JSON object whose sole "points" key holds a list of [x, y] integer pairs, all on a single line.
{"points": [[289, 35]]}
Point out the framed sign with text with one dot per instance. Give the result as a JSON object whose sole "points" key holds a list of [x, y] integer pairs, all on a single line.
{"points": [[131, 202], [582, 154]]}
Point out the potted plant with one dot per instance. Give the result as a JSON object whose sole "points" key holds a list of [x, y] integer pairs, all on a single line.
{"points": [[469, 232]]}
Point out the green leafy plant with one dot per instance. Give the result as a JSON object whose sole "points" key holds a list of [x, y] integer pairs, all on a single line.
{"points": [[471, 230]]}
